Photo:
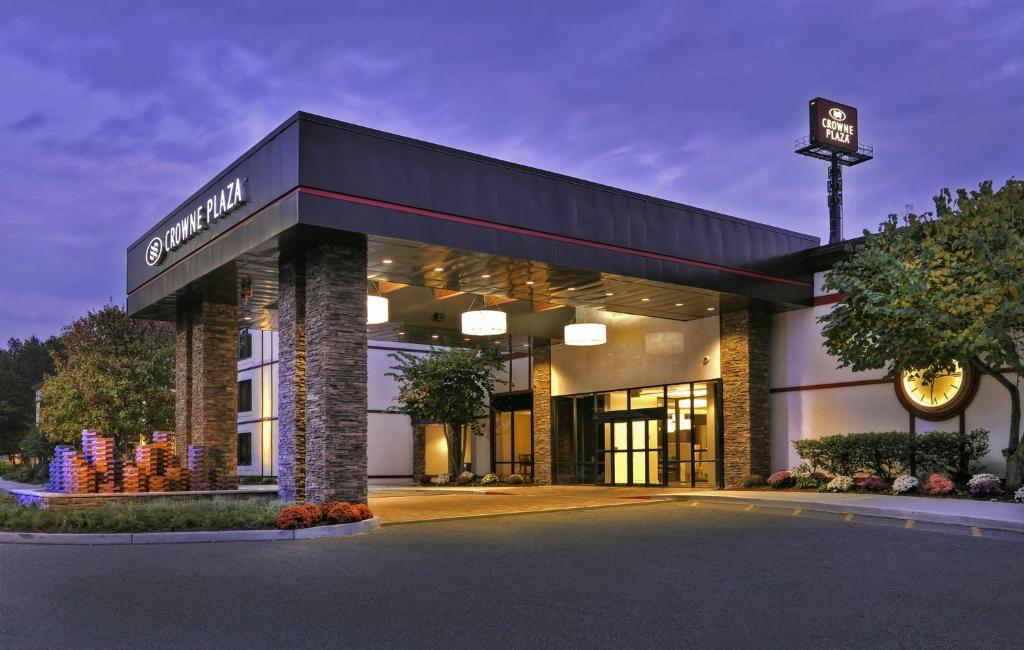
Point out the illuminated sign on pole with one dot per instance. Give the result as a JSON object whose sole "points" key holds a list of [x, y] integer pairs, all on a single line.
{"points": [[833, 124]]}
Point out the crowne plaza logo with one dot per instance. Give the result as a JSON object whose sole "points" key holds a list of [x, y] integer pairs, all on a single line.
{"points": [[215, 207]]}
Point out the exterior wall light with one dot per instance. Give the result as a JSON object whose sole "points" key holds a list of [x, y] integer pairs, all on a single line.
{"points": [[376, 310], [585, 334], [484, 322]]}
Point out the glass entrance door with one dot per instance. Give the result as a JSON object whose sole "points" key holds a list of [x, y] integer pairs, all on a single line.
{"points": [[632, 451]]}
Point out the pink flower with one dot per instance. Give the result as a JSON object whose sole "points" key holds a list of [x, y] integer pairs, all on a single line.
{"points": [[938, 485]]}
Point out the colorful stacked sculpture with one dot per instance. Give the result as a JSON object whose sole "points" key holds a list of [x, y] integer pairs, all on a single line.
{"points": [[152, 468]]}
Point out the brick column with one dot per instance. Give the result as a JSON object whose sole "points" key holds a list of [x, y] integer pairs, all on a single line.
{"points": [[745, 400], [214, 404], [419, 444], [541, 383], [336, 371], [182, 382], [291, 425]]}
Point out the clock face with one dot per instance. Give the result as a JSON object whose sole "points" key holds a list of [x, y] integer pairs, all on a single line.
{"points": [[944, 396]]}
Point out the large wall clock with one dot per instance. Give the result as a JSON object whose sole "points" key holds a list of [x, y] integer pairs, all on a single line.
{"points": [[945, 396]]}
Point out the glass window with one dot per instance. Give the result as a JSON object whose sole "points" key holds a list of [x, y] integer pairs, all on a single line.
{"points": [[245, 396], [245, 448], [244, 344], [614, 401], [647, 398]]}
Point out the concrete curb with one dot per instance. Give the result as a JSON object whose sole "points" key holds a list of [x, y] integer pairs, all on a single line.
{"points": [[191, 537], [856, 509]]}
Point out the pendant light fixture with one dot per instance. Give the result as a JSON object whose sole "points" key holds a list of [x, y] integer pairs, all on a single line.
{"points": [[376, 308], [584, 334], [484, 322]]}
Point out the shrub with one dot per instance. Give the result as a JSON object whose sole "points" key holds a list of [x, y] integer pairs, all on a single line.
{"points": [[938, 485], [294, 517], [465, 478], [1018, 496], [515, 479], [425, 479], [341, 512], [904, 484], [951, 452], [882, 453], [489, 478], [444, 478], [873, 484], [781, 479], [840, 484], [364, 511], [838, 454], [754, 480], [985, 485]]}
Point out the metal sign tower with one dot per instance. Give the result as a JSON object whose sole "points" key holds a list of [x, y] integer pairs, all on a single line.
{"points": [[834, 137]]}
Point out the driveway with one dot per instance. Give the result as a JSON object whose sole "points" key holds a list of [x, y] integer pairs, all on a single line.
{"points": [[662, 574]]}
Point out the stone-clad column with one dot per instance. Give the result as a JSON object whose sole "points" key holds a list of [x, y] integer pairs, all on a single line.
{"points": [[541, 383], [182, 382], [336, 371], [291, 426], [745, 398], [419, 457], [214, 417]]}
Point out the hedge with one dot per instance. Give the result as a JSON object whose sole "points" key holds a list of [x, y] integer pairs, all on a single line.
{"points": [[889, 453]]}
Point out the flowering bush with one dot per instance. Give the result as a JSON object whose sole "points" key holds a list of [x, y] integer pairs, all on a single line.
{"points": [[873, 484], [465, 478], [977, 478], [1018, 496], [489, 478], [444, 478], [364, 511], [938, 485], [294, 517], [515, 479], [840, 484], [904, 484], [781, 479], [341, 512], [986, 487]]}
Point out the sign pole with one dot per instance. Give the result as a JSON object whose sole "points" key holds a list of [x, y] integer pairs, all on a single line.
{"points": [[835, 200]]}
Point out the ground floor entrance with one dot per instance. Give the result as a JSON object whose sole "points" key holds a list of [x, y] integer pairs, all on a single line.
{"points": [[656, 435]]}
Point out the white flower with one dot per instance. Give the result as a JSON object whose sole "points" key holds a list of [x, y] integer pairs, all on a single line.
{"points": [[444, 478], [978, 478], [803, 470], [839, 484], [489, 478], [904, 483], [1018, 496]]}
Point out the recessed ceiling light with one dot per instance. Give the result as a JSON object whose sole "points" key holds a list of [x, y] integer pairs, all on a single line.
{"points": [[401, 333], [485, 275], [679, 304], [465, 339], [387, 261], [609, 294], [529, 282], [645, 300], [438, 269], [433, 336], [572, 288], [711, 309]]}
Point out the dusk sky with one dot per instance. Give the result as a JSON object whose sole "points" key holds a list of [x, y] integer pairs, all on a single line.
{"points": [[113, 113]]}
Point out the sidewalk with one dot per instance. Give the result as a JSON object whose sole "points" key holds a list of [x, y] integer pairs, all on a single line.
{"points": [[962, 512]]}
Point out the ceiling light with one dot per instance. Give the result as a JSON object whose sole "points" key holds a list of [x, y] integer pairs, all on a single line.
{"points": [[711, 309], [387, 261], [645, 300], [438, 269], [433, 336], [376, 310], [529, 282], [486, 275], [484, 322], [401, 333], [609, 294], [572, 288], [679, 304], [585, 334]]}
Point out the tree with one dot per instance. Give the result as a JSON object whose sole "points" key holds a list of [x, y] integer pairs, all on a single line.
{"points": [[936, 290], [22, 365], [448, 387], [115, 375]]}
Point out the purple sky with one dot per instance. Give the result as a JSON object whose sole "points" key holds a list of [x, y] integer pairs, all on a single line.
{"points": [[113, 113]]}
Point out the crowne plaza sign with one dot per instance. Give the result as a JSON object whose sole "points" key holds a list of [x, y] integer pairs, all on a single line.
{"points": [[833, 125], [207, 212]]}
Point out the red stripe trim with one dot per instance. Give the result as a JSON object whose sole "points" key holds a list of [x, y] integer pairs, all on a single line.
{"points": [[847, 384], [546, 235], [830, 298]]}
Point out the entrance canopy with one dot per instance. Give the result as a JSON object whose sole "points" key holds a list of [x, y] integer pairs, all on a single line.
{"points": [[442, 220]]}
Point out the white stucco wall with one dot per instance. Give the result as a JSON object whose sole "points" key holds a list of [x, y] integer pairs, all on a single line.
{"points": [[799, 360], [640, 351]]}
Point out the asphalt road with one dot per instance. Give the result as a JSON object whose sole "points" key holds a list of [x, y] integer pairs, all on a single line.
{"points": [[648, 575]]}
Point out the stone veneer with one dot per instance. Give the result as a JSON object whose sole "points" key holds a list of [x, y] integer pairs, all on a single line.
{"points": [[291, 425], [541, 383], [419, 444], [206, 384], [335, 375], [745, 398]]}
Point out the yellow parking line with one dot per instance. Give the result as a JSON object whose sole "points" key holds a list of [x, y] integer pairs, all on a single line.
{"points": [[975, 531], [910, 523], [749, 508], [848, 517], [797, 511], [693, 504]]}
